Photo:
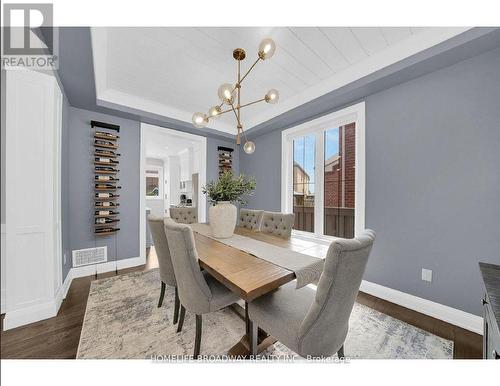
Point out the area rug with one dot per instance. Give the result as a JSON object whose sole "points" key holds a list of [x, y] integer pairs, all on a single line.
{"points": [[122, 321]]}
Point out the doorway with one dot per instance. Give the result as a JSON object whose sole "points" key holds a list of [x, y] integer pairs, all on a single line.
{"points": [[173, 170]]}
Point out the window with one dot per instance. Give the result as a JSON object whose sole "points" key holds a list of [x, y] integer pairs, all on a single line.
{"points": [[153, 183], [323, 173]]}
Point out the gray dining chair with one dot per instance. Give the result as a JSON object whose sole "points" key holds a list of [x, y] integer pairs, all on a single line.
{"points": [[167, 275], [315, 323], [185, 215], [277, 224], [199, 292], [251, 219]]}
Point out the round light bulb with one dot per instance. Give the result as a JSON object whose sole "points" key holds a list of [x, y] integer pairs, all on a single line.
{"points": [[272, 96], [214, 111], [267, 47], [200, 120], [249, 147], [226, 93]]}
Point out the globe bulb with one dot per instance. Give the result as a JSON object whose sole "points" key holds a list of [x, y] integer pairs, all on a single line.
{"points": [[226, 93], [200, 120], [267, 47], [249, 147], [214, 111], [272, 96]]}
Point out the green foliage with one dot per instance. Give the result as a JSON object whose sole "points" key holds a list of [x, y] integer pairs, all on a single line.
{"points": [[229, 188]]}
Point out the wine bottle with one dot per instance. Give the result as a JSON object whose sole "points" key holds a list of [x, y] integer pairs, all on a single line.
{"points": [[102, 142], [106, 204], [106, 169], [106, 178], [106, 212], [105, 134], [104, 230], [107, 186], [106, 195], [105, 220]]}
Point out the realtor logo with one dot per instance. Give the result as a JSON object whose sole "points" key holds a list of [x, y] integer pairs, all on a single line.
{"points": [[29, 38]]}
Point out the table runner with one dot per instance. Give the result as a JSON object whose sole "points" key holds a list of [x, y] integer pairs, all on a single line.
{"points": [[306, 268]]}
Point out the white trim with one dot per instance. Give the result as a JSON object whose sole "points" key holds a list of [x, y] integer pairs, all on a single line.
{"points": [[31, 314], [354, 113], [3, 257], [50, 309], [439, 311], [110, 266], [202, 176], [109, 97]]}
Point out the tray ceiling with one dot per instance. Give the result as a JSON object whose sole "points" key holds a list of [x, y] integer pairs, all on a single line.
{"points": [[175, 72]]}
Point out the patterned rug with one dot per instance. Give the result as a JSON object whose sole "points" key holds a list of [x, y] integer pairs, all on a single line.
{"points": [[122, 321]]}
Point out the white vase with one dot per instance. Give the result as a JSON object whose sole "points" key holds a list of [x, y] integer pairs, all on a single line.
{"points": [[222, 218]]}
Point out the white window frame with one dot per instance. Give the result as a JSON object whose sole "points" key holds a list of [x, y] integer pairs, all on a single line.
{"points": [[161, 181], [354, 113]]}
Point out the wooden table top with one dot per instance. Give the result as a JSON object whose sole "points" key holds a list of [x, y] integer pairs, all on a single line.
{"points": [[245, 274]]}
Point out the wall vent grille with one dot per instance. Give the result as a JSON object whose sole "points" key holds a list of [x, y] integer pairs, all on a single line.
{"points": [[90, 256]]}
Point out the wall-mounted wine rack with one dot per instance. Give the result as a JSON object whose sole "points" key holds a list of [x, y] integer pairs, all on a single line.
{"points": [[106, 179], [225, 159]]}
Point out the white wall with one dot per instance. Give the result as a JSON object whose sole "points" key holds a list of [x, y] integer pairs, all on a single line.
{"points": [[174, 169]]}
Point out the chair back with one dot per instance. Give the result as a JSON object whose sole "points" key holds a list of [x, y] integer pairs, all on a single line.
{"points": [[194, 292], [324, 328], [186, 215], [277, 224], [162, 252], [251, 219]]}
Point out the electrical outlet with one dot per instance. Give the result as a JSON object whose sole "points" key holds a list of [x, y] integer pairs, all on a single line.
{"points": [[64, 258], [427, 275]]}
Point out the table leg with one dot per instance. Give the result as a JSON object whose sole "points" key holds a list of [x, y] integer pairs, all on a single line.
{"points": [[242, 349]]}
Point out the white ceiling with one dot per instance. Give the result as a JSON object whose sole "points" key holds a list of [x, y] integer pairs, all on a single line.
{"points": [[163, 145], [177, 71]]}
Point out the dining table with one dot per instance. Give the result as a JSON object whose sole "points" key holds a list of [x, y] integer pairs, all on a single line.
{"points": [[250, 276]]}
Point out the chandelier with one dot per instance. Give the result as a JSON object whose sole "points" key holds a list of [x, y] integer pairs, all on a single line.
{"points": [[230, 95]]}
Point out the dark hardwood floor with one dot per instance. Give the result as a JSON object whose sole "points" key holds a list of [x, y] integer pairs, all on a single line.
{"points": [[58, 337]]}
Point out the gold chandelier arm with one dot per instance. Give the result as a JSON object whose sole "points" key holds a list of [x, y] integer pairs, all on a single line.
{"points": [[250, 69], [235, 114], [252, 103]]}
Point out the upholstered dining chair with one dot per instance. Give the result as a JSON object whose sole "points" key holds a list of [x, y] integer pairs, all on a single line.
{"points": [[277, 224], [199, 292], [167, 275], [251, 219], [184, 215], [315, 323]]}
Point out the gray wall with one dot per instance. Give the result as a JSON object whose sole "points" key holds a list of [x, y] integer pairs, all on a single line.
{"points": [[265, 165], [78, 186], [125, 243], [432, 180]]}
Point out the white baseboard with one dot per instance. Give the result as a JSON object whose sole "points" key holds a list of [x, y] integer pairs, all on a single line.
{"points": [[49, 309], [2, 301], [88, 270], [448, 314], [30, 314]]}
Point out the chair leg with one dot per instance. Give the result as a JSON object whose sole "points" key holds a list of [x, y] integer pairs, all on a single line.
{"points": [[253, 336], [162, 294], [340, 353], [181, 318], [176, 306], [197, 340]]}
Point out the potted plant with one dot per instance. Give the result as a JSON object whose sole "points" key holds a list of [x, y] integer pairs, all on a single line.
{"points": [[222, 194]]}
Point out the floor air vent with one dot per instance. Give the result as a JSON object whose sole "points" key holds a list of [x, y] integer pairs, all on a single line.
{"points": [[90, 256]]}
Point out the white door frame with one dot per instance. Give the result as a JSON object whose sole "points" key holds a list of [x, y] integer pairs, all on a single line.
{"points": [[354, 113], [202, 202]]}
